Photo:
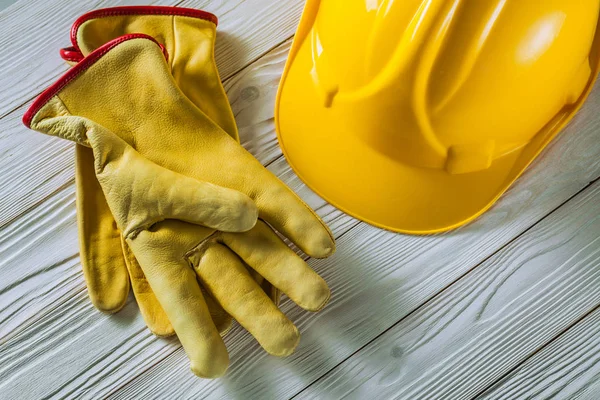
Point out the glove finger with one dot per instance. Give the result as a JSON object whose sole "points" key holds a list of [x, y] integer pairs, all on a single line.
{"points": [[155, 193], [265, 252], [177, 290], [290, 216], [271, 291], [103, 265], [220, 318], [153, 313], [278, 205], [206, 204], [155, 317], [266, 286], [224, 276]]}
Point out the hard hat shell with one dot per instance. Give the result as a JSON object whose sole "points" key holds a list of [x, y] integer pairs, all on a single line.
{"points": [[416, 115]]}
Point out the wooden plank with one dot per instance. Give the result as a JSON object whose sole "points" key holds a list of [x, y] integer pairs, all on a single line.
{"points": [[249, 28], [355, 315], [33, 42], [568, 368], [37, 179], [487, 323], [32, 166], [34, 251], [379, 277], [48, 323], [30, 35], [121, 352], [42, 164], [252, 95]]}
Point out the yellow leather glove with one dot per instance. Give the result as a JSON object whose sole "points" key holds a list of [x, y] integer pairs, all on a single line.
{"points": [[188, 35], [122, 96]]}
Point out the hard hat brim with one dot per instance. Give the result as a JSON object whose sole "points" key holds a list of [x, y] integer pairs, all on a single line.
{"points": [[371, 186]]}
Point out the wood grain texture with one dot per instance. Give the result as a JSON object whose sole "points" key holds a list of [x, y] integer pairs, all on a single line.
{"points": [[247, 29], [54, 344], [567, 368], [479, 328], [378, 277], [252, 95], [43, 282], [48, 322], [31, 34]]}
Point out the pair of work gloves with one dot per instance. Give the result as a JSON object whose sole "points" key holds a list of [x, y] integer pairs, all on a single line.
{"points": [[169, 203]]}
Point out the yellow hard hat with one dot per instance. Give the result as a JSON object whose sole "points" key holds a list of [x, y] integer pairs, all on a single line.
{"points": [[416, 115]]}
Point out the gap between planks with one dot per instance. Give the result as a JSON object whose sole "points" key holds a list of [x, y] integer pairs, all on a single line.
{"points": [[568, 367], [276, 159], [519, 183], [428, 302], [240, 40], [490, 321]]}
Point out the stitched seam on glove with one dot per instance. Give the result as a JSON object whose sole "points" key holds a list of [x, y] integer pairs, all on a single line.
{"points": [[196, 253], [138, 10], [74, 72]]}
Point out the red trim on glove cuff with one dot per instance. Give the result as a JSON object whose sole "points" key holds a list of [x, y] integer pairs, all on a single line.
{"points": [[74, 53], [71, 54], [77, 69]]}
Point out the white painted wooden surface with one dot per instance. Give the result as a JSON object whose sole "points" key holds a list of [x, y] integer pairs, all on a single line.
{"points": [[497, 308], [569, 367]]}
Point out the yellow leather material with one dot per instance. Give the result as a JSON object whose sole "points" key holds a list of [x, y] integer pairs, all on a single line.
{"points": [[416, 115], [188, 38], [189, 42], [125, 105], [101, 256]]}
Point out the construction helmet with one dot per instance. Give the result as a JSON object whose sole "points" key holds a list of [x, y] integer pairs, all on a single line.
{"points": [[416, 115]]}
